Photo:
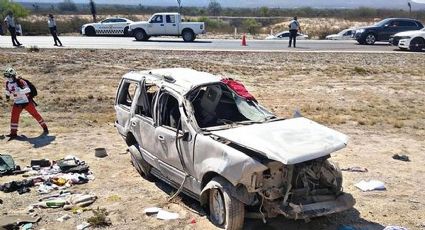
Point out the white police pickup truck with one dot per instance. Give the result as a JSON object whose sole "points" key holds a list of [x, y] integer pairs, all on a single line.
{"points": [[166, 24]]}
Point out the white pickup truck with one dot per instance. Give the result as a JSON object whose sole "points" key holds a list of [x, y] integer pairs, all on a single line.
{"points": [[166, 24]]}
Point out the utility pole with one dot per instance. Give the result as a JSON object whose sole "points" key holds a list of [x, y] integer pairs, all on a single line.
{"points": [[180, 5], [410, 8]]}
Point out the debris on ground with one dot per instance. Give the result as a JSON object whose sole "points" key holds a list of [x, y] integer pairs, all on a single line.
{"points": [[13, 221], [160, 213], [370, 185], [8, 166], [82, 226], [355, 169], [64, 218], [401, 157], [394, 228]]}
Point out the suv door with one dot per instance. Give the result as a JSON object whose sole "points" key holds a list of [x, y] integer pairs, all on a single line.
{"points": [[407, 25], [168, 120], [171, 27], [391, 28], [126, 93]]}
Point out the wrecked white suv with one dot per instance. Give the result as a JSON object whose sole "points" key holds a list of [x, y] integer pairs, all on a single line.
{"points": [[210, 138]]}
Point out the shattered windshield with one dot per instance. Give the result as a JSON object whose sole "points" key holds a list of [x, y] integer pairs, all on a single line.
{"points": [[218, 104]]}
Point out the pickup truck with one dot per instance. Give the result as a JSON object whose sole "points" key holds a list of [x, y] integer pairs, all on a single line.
{"points": [[166, 24]]}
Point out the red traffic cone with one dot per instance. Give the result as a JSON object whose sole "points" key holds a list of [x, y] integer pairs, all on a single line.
{"points": [[244, 40]]}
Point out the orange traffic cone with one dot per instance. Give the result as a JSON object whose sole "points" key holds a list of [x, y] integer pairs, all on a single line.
{"points": [[244, 40]]}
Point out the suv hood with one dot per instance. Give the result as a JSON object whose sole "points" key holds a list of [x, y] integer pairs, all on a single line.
{"points": [[289, 141]]}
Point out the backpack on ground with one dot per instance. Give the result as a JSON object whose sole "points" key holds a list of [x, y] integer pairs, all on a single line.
{"points": [[32, 87]]}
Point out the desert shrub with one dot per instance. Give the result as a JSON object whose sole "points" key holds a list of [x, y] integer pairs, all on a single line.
{"points": [[39, 27], [67, 6], [251, 25]]}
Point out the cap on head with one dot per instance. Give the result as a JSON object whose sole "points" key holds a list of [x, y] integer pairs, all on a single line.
{"points": [[50, 15], [295, 18], [9, 72]]}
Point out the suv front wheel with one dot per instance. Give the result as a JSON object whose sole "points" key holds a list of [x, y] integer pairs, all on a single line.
{"points": [[225, 210], [370, 39]]}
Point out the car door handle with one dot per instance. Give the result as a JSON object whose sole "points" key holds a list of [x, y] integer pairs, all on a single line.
{"points": [[174, 24], [161, 138], [133, 124], [162, 24]]}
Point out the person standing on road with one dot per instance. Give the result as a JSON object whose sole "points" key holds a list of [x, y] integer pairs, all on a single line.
{"points": [[11, 25], [51, 22], [294, 27], [20, 91]]}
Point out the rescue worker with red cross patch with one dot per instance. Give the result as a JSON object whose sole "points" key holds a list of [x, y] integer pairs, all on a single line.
{"points": [[20, 91]]}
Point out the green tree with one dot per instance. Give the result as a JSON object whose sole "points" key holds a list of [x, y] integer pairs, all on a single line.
{"points": [[17, 9], [264, 11], [214, 8]]}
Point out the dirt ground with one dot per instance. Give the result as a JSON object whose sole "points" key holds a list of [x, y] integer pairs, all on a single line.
{"points": [[376, 99]]}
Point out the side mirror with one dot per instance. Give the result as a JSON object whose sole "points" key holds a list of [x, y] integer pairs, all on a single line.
{"points": [[187, 136]]}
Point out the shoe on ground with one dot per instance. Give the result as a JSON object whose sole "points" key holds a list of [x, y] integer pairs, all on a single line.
{"points": [[45, 131]]}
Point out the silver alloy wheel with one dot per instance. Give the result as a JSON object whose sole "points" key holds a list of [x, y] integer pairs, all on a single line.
{"points": [[370, 39], [218, 208]]}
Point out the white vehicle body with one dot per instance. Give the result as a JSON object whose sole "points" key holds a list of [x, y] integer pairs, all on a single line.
{"points": [[109, 26], [285, 36], [166, 24], [346, 34], [411, 40], [197, 132]]}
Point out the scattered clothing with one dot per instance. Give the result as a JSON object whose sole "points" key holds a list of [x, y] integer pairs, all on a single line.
{"points": [[13, 221], [395, 228], [370, 185]]}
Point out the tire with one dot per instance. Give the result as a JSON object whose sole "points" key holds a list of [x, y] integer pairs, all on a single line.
{"points": [[188, 35], [126, 34], [370, 39], [225, 211], [89, 31], [417, 44], [142, 167], [140, 35]]}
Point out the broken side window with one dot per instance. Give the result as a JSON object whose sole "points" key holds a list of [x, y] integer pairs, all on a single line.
{"points": [[169, 111], [147, 99], [127, 93]]}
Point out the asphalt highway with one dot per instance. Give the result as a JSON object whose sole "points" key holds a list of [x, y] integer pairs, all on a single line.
{"points": [[171, 43]]}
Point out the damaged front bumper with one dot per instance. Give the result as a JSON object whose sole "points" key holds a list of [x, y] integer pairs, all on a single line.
{"points": [[293, 211]]}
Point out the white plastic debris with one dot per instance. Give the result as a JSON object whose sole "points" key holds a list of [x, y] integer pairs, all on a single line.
{"points": [[164, 215], [370, 185], [394, 228], [151, 210], [82, 226]]}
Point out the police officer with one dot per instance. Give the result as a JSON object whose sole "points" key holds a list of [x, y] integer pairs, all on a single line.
{"points": [[11, 25], [20, 91], [53, 30], [294, 27]]}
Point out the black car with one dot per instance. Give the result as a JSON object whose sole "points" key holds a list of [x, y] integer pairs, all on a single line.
{"points": [[383, 30]]}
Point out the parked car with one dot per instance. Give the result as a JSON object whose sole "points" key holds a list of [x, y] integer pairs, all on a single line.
{"points": [[409, 40], [346, 34], [209, 137], [383, 30], [166, 24], [285, 36], [109, 26]]}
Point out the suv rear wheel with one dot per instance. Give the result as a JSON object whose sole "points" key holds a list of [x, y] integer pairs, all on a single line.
{"points": [[370, 39], [225, 210]]}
